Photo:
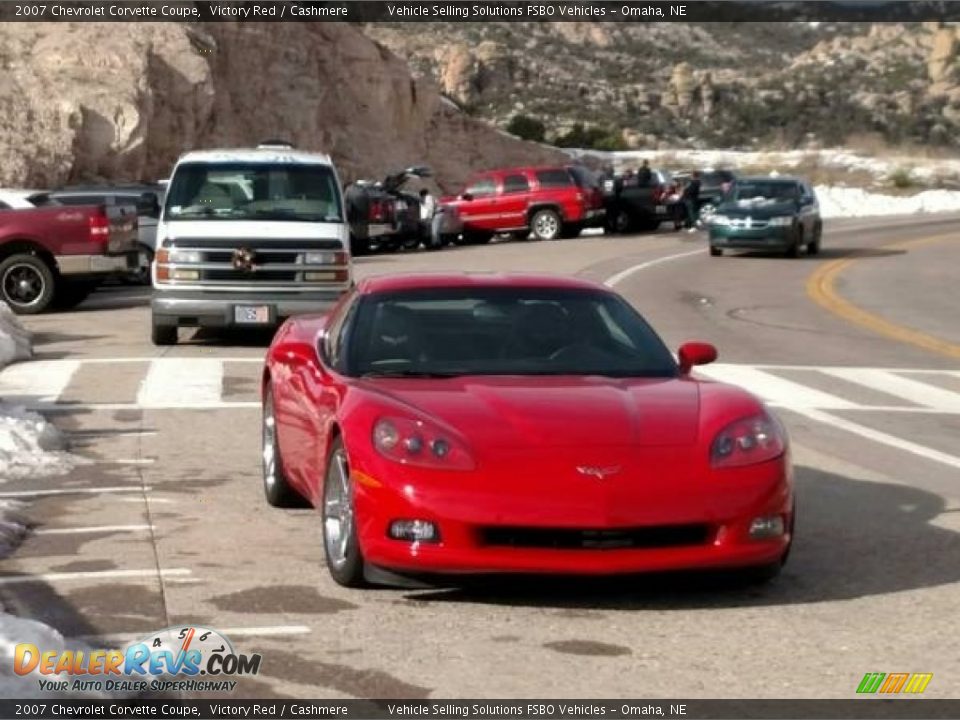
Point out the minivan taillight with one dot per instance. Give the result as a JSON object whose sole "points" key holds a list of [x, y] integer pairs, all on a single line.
{"points": [[100, 226]]}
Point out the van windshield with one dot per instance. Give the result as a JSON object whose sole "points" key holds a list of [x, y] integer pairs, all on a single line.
{"points": [[257, 191]]}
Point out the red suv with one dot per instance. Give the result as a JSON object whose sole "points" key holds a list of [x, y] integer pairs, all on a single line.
{"points": [[550, 202]]}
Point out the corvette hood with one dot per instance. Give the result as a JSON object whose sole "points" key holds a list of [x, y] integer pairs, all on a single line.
{"points": [[560, 412]]}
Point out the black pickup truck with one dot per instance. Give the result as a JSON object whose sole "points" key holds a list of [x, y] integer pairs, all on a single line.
{"points": [[632, 205], [382, 216]]}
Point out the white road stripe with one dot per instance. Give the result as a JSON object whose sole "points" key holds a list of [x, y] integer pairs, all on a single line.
{"points": [[92, 575], [174, 382], [91, 529], [773, 389], [103, 407], [624, 274], [130, 461], [36, 381], [267, 630], [880, 437], [75, 491], [914, 391], [97, 435]]}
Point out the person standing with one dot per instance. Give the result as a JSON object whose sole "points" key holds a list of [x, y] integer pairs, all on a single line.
{"points": [[691, 200], [644, 174]]}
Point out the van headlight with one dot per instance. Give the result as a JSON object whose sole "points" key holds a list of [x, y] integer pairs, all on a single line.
{"points": [[178, 256], [781, 221]]}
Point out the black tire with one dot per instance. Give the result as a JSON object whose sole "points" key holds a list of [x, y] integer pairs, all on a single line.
{"points": [[715, 251], [71, 293], [276, 487], [27, 284], [619, 223], [346, 567], [477, 238], [141, 276], [359, 246], [813, 247], [546, 224], [794, 250], [163, 335], [649, 223]]}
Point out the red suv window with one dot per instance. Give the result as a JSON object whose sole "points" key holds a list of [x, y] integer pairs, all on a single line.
{"points": [[554, 178], [481, 186], [515, 184]]}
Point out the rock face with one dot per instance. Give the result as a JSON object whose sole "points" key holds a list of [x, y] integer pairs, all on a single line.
{"points": [[703, 83], [126, 106]]}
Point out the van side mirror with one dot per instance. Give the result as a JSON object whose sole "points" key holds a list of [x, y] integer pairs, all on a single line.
{"points": [[148, 204]]}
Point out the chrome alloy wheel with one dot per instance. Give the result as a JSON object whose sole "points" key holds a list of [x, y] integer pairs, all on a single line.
{"points": [[338, 510]]}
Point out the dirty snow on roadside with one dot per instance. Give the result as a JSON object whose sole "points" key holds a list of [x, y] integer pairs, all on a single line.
{"points": [[840, 202], [29, 447]]}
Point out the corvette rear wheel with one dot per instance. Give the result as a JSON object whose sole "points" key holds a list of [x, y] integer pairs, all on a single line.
{"points": [[276, 488], [340, 542]]}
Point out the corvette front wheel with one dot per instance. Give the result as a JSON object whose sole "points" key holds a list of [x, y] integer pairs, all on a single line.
{"points": [[276, 488], [340, 543]]}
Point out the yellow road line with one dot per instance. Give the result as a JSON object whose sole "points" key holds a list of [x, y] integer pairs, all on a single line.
{"points": [[821, 289]]}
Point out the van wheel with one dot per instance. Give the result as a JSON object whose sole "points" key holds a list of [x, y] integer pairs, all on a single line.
{"points": [[813, 247], [546, 224], [794, 250], [715, 251], [163, 334], [27, 284]]}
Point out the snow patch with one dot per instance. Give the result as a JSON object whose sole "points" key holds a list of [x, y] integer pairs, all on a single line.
{"points": [[14, 338], [844, 202]]}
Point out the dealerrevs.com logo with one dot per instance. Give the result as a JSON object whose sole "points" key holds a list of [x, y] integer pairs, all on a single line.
{"points": [[177, 659]]}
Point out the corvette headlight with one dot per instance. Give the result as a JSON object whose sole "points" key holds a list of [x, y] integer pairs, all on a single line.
{"points": [[747, 442], [781, 221], [718, 219], [417, 442]]}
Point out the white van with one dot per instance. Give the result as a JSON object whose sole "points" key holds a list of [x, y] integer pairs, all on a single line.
{"points": [[248, 237]]}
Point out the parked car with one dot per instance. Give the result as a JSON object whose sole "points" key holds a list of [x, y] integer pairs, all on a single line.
{"points": [[632, 205], [382, 215], [51, 254], [767, 213], [146, 201], [549, 202], [714, 184], [248, 237]]}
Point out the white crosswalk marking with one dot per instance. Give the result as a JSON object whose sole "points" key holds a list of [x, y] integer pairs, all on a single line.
{"points": [[775, 390], [177, 383], [913, 391], [201, 383], [39, 381]]}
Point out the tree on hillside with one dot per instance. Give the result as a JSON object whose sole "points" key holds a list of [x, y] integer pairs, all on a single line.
{"points": [[527, 128]]}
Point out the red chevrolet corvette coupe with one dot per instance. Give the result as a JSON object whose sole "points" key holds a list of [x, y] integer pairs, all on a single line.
{"points": [[484, 423]]}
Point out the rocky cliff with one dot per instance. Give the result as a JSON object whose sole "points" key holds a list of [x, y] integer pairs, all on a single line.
{"points": [[124, 106], [670, 84]]}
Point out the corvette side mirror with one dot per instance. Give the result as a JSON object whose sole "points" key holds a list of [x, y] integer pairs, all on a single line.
{"points": [[695, 353]]}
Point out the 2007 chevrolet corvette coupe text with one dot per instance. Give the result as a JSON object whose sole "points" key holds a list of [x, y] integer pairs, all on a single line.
{"points": [[483, 423]]}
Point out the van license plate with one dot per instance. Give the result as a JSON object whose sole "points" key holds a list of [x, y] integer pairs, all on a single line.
{"points": [[252, 314]]}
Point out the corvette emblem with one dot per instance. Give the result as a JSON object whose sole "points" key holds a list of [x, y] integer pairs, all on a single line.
{"points": [[243, 259], [600, 473]]}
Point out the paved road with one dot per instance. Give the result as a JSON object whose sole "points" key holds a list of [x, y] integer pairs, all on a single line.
{"points": [[166, 523]]}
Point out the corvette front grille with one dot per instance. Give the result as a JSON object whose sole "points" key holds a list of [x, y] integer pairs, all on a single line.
{"points": [[657, 536]]}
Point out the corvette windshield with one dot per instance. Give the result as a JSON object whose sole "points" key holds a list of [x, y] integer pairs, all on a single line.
{"points": [[502, 331], [254, 191]]}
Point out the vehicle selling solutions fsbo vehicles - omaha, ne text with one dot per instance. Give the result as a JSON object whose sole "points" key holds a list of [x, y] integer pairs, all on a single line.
{"points": [[248, 237], [470, 423]]}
